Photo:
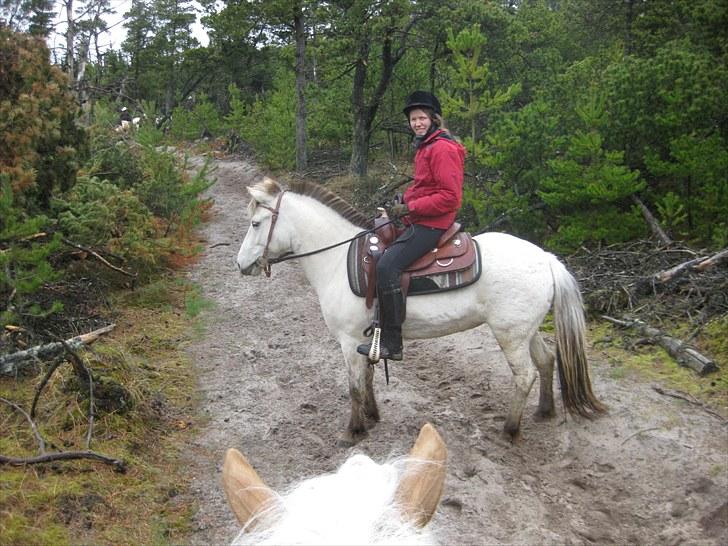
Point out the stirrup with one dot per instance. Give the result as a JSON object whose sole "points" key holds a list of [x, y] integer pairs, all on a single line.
{"points": [[372, 350]]}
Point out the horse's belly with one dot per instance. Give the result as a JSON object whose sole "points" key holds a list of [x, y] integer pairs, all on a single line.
{"points": [[442, 314]]}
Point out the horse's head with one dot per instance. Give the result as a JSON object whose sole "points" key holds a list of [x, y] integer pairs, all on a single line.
{"points": [[266, 237], [363, 503]]}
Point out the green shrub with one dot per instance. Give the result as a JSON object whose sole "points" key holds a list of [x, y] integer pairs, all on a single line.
{"points": [[199, 121], [167, 190], [24, 257], [100, 214]]}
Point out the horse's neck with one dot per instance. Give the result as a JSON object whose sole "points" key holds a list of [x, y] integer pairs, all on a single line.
{"points": [[317, 226]]}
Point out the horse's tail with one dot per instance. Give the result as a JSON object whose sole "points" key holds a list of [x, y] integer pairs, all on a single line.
{"points": [[576, 389]]}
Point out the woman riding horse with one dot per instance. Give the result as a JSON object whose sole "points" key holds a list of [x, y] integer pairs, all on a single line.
{"points": [[428, 209]]}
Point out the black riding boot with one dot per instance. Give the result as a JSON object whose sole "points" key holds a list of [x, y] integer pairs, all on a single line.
{"points": [[391, 315]]}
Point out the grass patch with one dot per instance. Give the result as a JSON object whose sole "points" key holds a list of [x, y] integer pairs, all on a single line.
{"points": [[195, 303], [146, 405], [626, 358]]}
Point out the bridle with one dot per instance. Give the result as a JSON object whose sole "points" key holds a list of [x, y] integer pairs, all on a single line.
{"points": [[274, 218], [267, 262]]}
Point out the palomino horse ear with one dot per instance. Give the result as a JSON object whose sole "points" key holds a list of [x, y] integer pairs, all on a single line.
{"points": [[264, 191], [245, 491], [421, 485]]}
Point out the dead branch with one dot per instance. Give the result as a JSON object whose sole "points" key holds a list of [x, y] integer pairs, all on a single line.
{"points": [[697, 264], [690, 399], [679, 350], [99, 258], [34, 428], [118, 464], [79, 365], [43, 383], [9, 363], [652, 221], [713, 260]]}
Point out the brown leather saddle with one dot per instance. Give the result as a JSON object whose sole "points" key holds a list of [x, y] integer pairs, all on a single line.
{"points": [[454, 263]]}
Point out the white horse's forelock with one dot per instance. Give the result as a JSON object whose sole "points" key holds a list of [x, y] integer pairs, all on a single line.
{"points": [[355, 505], [266, 187]]}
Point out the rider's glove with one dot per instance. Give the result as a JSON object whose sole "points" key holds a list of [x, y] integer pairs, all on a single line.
{"points": [[398, 210]]}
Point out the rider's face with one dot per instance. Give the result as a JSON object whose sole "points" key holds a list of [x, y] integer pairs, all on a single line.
{"points": [[419, 122]]}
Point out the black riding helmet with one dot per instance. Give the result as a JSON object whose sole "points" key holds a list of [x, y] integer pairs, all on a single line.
{"points": [[422, 99]]}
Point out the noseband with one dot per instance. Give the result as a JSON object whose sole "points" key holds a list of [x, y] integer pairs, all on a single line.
{"points": [[264, 259]]}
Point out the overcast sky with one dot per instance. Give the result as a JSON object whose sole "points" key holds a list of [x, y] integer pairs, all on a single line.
{"points": [[117, 32]]}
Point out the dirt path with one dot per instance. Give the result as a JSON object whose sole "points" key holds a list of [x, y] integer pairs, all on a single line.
{"points": [[654, 471]]}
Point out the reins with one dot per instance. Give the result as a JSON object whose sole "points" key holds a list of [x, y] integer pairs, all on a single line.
{"points": [[267, 262]]}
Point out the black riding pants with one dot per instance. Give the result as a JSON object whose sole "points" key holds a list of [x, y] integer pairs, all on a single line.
{"points": [[415, 242]]}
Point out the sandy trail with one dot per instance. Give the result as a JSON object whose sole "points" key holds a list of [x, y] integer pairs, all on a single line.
{"points": [[654, 471]]}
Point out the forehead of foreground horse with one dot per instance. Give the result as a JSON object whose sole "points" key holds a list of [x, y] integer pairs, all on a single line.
{"points": [[267, 186]]}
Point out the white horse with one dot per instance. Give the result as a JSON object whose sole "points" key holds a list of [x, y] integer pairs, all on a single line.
{"points": [[362, 503], [519, 284]]}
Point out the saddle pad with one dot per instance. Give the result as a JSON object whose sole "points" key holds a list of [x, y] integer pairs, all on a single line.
{"points": [[428, 284]]}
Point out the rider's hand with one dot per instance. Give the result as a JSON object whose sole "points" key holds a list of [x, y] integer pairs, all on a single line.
{"points": [[398, 210]]}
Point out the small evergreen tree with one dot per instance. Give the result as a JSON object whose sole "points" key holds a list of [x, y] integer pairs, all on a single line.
{"points": [[589, 187]]}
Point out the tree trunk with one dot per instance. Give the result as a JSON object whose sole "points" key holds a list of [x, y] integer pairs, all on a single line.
{"points": [[358, 163], [629, 21], [652, 221], [70, 36], [364, 113], [301, 156]]}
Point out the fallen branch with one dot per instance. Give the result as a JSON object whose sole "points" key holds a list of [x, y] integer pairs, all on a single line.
{"points": [[713, 260], [10, 363], [652, 221], [697, 264], [690, 399], [33, 427], [99, 258], [679, 350], [79, 365], [43, 383], [118, 464]]}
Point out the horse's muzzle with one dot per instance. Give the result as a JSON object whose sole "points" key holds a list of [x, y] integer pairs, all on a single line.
{"points": [[253, 269]]}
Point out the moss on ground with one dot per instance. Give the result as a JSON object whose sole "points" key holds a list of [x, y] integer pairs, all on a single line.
{"points": [[628, 355], [146, 415]]}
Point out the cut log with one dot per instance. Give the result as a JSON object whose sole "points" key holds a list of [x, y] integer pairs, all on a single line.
{"points": [[684, 354], [9, 364]]}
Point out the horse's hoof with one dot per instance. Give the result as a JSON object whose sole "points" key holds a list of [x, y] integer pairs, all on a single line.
{"points": [[345, 443], [544, 415], [372, 420], [511, 434], [350, 439]]}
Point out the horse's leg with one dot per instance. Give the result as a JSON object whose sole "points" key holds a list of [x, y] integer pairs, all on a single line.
{"points": [[543, 358], [524, 374], [364, 411]]}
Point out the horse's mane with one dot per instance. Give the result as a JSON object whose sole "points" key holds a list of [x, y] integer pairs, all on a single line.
{"points": [[320, 194]]}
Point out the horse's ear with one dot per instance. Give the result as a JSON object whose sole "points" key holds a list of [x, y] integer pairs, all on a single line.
{"points": [[245, 491], [258, 194], [420, 488], [264, 191]]}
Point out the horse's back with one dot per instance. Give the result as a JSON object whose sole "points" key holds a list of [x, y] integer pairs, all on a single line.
{"points": [[516, 274]]}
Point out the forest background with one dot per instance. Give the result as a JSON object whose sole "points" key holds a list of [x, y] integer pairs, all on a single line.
{"points": [[580, 117], [588, 123]]}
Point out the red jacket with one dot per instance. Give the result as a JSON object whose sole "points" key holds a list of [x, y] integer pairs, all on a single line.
{"points": [[437, 191]]}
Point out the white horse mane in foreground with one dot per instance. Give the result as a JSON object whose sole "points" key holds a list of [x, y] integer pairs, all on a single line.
{"points": [[518, 285], [362, 503]]}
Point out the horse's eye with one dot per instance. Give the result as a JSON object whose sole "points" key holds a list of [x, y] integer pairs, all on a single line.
{"points": [[255, 224]]}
